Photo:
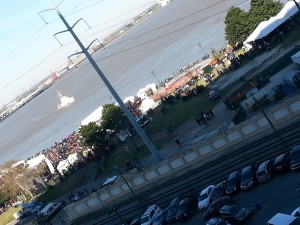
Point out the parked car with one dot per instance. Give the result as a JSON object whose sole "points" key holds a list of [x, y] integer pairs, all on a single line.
{"points": [[172, 210], [203, 201], [218, 191], [160, 218], [282, 163], [50, 209], [186, 209], [215, 206], [216, 221], [234, 214], [296, 212], [213, 95], [265, 171], [248, 178], [295, 158], [233, 183], [149, 214]]}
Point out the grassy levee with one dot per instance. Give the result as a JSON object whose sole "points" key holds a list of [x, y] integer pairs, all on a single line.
{"points": [[7, 217]]}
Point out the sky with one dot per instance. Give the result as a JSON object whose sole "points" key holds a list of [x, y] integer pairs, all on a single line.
{"points": [[30, 52]]}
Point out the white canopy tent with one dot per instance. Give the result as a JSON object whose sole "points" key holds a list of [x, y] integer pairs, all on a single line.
{"points": [[74, 158], [93, 117], [266, 27], [63, 166], [32, 163]]}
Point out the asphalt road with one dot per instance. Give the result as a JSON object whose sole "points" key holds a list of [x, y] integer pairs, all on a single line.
{"points": [[277, 195]]}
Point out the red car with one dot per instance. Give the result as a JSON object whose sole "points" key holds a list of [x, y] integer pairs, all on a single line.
{"points": [[215, 206]]}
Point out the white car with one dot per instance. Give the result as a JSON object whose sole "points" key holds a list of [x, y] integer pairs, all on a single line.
{"points": [[149, 214], [203, 201], [296, 212]]}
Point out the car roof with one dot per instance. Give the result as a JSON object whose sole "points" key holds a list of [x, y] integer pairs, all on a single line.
{"points": [[227, 207], [206, 189], [247, 169], [281, 157], [150, 208], [233, 175]]}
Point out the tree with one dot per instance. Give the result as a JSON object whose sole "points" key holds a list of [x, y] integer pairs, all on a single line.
{"points": [[240, 24], [236, 25], [92, 135], [113, 118]]}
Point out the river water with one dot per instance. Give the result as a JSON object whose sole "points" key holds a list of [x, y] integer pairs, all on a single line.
{"points": [[163, 43]]}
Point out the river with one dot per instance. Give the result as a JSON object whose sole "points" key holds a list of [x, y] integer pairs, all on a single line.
{"points": [[163, 43]]}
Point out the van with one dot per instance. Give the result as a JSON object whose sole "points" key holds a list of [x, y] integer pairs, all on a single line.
{"points": [[284, 219], [50, 209]]}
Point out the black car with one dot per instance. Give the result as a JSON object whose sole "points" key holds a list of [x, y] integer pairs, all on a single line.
{"points": [[159, 218], [282, 163], [295, 158], [248, 178], [172, 210], [234, 214], [218, 191], [265, 171], [233, 183], [186, 209]]}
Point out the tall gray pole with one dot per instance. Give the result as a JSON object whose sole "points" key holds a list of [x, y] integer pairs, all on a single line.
{"points": [[136, 126], [297, 4]]}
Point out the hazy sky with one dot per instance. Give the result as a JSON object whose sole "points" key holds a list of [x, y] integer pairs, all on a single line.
{"points": [[29, 52]]}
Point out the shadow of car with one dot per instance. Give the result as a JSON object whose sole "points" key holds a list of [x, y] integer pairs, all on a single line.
{"points": [[215, 206]]}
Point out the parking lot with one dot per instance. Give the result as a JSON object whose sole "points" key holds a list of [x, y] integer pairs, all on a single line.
{"points": [[278, 195]]}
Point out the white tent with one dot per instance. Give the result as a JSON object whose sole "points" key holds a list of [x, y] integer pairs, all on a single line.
{"points": [[266, 27], [93, 117], [147, 103], [32, 163], [74, 158], [63, 166]]}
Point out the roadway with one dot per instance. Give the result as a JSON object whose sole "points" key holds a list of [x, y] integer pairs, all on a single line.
{"points": [[277, 195], [216, 168]]}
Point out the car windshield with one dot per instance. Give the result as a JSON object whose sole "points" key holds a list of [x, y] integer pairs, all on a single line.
{"points": [[144, 219], [203, 196], [182, 206], [172, 209], [234, 210], [231, 181], [261, 173], [157, 218], [246, 174], [295, 153]]}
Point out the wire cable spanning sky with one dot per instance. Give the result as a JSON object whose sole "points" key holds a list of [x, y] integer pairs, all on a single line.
{"points": [[29, 52]]}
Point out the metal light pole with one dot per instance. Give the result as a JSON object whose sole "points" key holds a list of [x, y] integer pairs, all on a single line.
{"points": [[136, 126], [133, 193], [202, 49], [271, 124], [297, 4], [152, 72]]}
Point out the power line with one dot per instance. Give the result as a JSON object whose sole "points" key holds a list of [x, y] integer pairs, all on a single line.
{"points": [[20, 46], [162, 36], [29, 40], [30, 69]]}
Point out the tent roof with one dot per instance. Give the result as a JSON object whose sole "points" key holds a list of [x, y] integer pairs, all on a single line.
{"points": [[266, 27], [35, 161]]}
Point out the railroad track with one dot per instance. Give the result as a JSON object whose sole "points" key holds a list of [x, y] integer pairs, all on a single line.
{"points": [[197, 177]]}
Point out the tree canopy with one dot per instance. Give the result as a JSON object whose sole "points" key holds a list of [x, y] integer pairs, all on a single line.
{"points": [[239, 24]]}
